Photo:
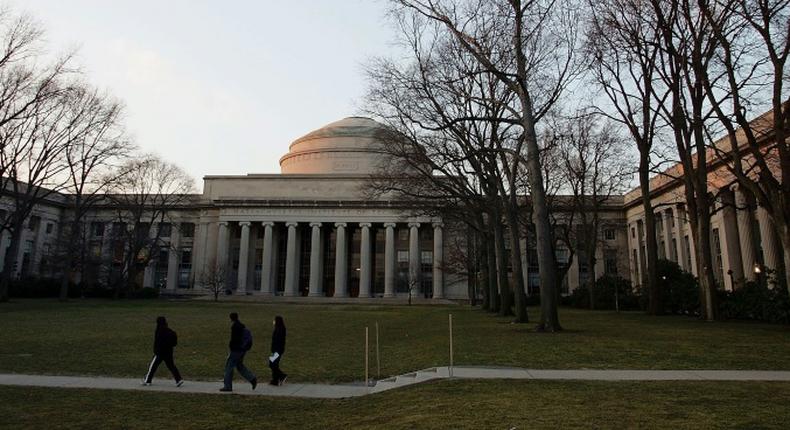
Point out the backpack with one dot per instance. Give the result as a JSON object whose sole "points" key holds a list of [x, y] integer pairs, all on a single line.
{"points": [[246, 339]]}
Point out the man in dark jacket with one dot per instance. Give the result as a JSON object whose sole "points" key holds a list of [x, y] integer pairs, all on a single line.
{"points": [[165, 340], [240, 343]]}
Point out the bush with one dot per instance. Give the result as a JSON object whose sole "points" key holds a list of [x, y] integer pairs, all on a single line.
{"points": [[756, 301], [604, 295], [36, 288], [680, 288]]}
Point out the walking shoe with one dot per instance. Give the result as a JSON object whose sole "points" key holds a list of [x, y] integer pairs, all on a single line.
{"points": [[180, 383], [145, 383], [226, 390], [282, 381], [254, 383]]}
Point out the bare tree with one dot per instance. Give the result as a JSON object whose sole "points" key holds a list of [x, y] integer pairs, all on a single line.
{"points": [[754, 48], [623, 48], [442, 109], [214, 279], [34, 125], [595, 167], [144, 199], [528, 46], [97, 147]]}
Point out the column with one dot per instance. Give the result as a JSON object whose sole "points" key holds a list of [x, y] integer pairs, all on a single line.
{"points": [[667, 235], [315, 260], [267, 263], [745, 236], [414, 257], [341, 261], [768, 239], [172, 257], [732, 243], [149, 274], [291, 275], [680, 217], [244, 257], [438, 259], [222, 246], [389, 259], [365, 269]]}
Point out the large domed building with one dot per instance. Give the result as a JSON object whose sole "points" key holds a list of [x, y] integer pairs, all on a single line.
{"points": [[313, 231]]}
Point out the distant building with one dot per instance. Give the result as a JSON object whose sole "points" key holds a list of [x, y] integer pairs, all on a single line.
{"points": [[310, 232]]}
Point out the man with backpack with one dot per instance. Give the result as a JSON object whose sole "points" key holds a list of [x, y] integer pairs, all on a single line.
{"points": [[240, 343]]}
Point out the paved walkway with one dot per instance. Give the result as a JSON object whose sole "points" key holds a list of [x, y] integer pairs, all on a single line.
{"points": [[319, 391]]}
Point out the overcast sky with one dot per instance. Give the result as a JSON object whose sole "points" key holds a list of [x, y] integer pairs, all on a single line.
{"points": [[221, 87]]}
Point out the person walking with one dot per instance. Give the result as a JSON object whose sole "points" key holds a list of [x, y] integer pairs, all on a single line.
{"points": [[165, 340], [240, 343], [278, 349]]}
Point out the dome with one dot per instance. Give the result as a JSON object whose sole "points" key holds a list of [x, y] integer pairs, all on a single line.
{"points": [[348, 146]]}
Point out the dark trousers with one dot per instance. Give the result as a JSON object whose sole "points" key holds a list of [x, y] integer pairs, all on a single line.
{"points": [[277, 374], [158, 359], [235, 360]]}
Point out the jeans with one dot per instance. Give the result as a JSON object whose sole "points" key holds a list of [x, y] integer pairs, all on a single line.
{"points": [[236, 361]]}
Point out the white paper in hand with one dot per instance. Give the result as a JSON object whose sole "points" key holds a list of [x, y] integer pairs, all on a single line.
{"points": [[274, 357]]}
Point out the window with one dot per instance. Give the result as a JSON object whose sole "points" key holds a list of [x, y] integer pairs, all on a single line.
{"points": [[49, 228], [687, 246], [403, 234], [610, 261], [164, 229], [633, 232], [608, 234], [97, 229], [426, 257], [562, 256], [187, 229], [403, 256], [34, 222]]}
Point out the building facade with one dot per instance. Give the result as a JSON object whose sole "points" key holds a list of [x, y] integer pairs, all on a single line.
{"points": [[311, 231]]}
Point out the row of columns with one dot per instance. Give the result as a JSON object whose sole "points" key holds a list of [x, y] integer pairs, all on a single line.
{"points": [[738, 220], [341, 258]]}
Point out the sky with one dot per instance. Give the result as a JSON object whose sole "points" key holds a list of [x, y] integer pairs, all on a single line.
{"points": [[221, 87]]}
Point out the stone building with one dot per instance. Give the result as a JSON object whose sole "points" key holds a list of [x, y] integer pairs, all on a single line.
{"points": [[744, 243], [310, 231]]}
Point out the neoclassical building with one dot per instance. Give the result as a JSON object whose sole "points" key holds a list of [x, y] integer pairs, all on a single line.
{"points": [[312, 230]]}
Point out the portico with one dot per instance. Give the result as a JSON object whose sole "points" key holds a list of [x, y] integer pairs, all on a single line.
{"points": [[331, 258]]}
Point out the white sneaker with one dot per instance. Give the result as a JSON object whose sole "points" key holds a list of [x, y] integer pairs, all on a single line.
{"points": [[145, 384], [180, 383]]}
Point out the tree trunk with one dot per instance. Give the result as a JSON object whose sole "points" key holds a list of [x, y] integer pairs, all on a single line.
{"points": [[705, 269], [10, 262], [471, 259], [591, 273], [482, 263], [519, 294], [494, 298], [655, 304], [549, 315]]}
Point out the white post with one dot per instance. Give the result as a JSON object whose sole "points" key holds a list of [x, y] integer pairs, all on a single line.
{"points": [[378, 359], [341, 261], [451, 345], [367, 379], [315, 260]]}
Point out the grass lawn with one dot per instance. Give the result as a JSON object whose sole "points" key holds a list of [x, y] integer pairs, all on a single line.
{"points": [[447, 404], [325, 342]]}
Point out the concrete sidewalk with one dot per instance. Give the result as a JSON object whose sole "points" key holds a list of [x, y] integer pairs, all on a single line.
{"points": [[319, 391]]}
